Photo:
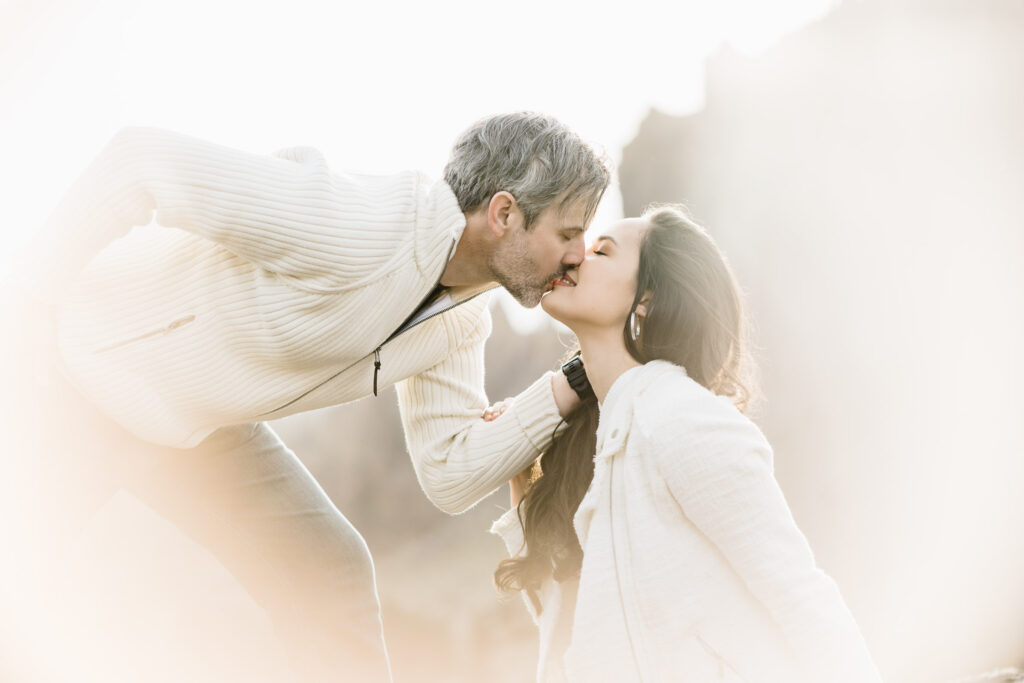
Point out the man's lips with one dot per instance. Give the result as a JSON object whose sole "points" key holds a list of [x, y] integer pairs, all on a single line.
{"points": [[563, 280]]}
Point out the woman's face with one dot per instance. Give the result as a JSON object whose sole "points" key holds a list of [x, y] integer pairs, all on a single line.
{"points": [[598, 295]]}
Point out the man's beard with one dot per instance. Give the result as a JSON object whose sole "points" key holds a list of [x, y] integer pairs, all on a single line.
{"points": [[514, 270]]}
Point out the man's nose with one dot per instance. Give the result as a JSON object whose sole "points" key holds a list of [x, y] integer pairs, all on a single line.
{"points": [[576, 253]]}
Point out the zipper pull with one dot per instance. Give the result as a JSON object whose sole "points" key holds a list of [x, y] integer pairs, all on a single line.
{"points": [[376, 368]]}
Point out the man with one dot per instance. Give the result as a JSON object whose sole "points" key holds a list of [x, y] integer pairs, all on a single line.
{"points": [[287, 286]]}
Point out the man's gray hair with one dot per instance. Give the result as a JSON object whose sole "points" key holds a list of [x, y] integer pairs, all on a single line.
{"points": [[534, 157]]}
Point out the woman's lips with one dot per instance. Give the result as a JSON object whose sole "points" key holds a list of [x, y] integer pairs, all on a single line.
{"points": [[564, 281]]}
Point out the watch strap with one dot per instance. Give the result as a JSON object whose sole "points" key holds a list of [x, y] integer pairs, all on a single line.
{"points": [[576, 374]]}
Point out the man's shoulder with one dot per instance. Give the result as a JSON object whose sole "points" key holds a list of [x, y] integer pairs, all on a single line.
{"points": [[470, 321]]}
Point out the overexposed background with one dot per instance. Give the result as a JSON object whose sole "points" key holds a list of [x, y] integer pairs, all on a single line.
{"points": [[378, 87], [860, 163]]}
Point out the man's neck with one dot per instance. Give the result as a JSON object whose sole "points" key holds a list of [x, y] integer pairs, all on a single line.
{"points": [[468, 265]]}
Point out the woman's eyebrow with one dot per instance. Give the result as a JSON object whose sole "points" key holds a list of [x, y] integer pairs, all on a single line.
{"points": [[610, 239]]}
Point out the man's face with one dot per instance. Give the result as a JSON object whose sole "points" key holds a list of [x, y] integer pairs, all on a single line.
{"points": [[527, 262]]}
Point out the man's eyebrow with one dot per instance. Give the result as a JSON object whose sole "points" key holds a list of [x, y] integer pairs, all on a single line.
{"points": [[573, 228]]}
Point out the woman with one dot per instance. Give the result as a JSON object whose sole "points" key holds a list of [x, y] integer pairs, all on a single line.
{"points": [[654, 543]]}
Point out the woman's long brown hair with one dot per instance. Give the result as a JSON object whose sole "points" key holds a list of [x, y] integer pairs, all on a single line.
{"points": [[695, 320]]}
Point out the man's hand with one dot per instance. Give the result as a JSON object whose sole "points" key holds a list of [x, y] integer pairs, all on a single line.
{"points": [[494, 412]]}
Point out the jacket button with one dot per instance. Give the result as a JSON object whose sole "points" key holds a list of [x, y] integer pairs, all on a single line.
{"points": [[615, 433]]}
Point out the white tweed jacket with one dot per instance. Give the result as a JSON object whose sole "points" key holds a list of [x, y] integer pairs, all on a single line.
{"points": [[269, 285], [693, 567]]}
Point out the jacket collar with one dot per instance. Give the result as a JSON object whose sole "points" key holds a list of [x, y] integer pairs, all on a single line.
{"points": [[617, 409]]}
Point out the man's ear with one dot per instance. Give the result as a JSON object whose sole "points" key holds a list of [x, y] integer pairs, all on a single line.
{"points": [[502, 212]]}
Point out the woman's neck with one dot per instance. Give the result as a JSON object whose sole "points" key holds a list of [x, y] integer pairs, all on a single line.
{"points": [[605, 358]]}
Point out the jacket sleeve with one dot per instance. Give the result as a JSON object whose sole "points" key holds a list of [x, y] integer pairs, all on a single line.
{"points": [[510, 530], [284, 212], [459, 458], [555, 599], [717, 466]]}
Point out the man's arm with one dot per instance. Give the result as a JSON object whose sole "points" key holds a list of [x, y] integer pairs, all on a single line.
{"points": [[284, 212], [459, 457]]}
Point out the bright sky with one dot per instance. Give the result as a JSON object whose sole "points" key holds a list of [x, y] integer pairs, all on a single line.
{"points": [[376, 86]]}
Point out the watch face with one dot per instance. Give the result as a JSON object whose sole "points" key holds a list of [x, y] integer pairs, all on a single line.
{"points": [[573, 364]]}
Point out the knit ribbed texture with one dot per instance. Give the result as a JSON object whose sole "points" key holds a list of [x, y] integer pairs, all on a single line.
{"points": [[455, 477], [287, 213], [262, 289]]}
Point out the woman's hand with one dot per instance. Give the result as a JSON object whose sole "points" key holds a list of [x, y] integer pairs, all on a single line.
{"points": [[565, 397], [518, 485]]}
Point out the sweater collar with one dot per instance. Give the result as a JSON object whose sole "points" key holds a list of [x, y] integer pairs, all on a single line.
{"points": [[448, 217], [450, 223]]}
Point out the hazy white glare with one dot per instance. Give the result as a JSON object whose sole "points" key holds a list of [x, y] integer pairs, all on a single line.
{"points": [[862, 177], [377, 87]]}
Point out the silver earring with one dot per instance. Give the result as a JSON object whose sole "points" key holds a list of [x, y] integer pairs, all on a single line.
{"points": [[634, 326]]}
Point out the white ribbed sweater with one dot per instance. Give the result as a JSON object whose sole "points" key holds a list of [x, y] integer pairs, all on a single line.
{"points": [[262, 289]]}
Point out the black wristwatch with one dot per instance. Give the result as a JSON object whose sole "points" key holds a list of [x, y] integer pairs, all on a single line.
{"points": [[577, 376]]}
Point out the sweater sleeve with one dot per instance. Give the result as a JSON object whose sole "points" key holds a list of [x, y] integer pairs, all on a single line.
{"points": [[460, 458], [718, 468], [284, 212]]}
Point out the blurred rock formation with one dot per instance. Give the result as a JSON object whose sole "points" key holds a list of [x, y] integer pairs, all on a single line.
{"points": [[864, 177]]}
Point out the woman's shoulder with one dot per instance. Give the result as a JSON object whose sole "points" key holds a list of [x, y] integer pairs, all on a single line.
{"points": [[670, 405], [664, 387]]}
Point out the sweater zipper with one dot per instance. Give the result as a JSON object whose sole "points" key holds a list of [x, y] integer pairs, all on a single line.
{"points": [[376, 367], [376, 352], [376, 356]]}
